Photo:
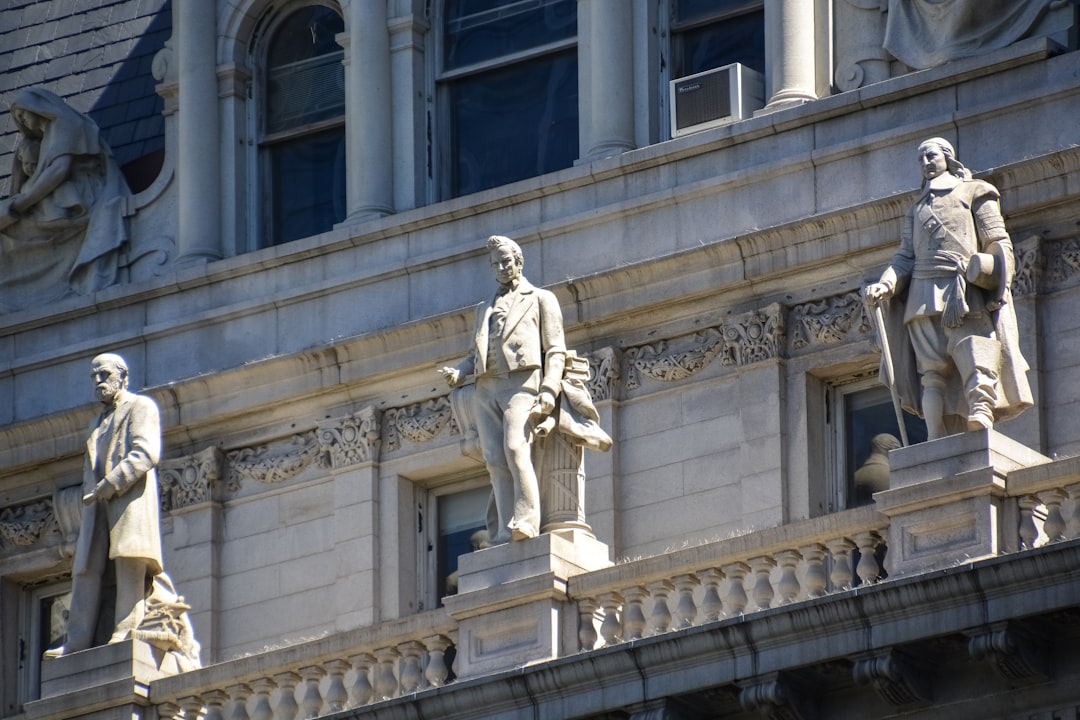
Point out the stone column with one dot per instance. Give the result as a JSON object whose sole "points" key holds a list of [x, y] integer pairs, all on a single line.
{"points": [[408, 93], [790, 50], [369, 183], [605, 77], [199, 168]]}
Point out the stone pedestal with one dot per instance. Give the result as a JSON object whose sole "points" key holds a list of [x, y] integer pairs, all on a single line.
{"points": [[946, 499], [512, 608], [101, 683]]}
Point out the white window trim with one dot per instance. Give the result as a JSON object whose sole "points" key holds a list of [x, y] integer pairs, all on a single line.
{"points": [[427, 556], [30, 637]]}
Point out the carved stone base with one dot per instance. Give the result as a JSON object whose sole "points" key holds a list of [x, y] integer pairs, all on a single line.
{"points": [[104, 682], [946, 499], [512, 607]]}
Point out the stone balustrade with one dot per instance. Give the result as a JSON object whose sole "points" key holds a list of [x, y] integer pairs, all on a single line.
{"points": [[730, 577], [1047, 500], [316, 678]]}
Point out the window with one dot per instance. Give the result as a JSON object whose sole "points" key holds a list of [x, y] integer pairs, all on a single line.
{"points": [[457, 514], [302, 123], [508, 91], [860, 412], [42, 626], [707, 34]]}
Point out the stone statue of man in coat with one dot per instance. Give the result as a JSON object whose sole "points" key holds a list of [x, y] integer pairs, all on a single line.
{"points": [[120, 521]]}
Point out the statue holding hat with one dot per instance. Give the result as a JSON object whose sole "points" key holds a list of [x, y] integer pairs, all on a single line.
{"points": [[946, 294]]}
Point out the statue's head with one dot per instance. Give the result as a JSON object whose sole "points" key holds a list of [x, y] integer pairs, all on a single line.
{"points": [[884, 442], [110, 375], [937, 156], [507, 261]]}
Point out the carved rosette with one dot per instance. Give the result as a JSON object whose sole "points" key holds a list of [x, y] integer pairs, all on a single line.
{"points": [[271, 464], [24, 525], [829, 321], [418, 423], [350, 440], [191, 479], [603, 373]]}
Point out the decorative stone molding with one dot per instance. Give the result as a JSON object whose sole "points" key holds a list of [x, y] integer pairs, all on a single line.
{"points": [[419, 423], [1015, 650], [350, 440], [271, 464], [604, 373], [191, 479], [829, 321], [1062, 261], [742, 340], [24, 525], [895, 678]]}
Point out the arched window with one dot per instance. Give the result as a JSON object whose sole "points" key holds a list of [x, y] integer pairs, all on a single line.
{"points": [[302, 124], [508, 91]]}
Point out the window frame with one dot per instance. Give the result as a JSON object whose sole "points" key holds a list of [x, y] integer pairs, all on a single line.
{"points": [[261, 230], [428, 499], [29, 634], [440, 173]]}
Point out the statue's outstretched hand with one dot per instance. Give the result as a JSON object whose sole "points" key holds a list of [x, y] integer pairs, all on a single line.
{"points": [[876, 293], [452, 375]]}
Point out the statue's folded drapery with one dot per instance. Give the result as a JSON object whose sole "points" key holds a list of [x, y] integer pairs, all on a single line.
{"points": [[926, 33], [62, 228]]}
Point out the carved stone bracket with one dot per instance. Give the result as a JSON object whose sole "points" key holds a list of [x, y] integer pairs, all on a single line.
{"points": [[350, 440], [743, 340], [271, 464], [776, 697], [191, 479], [1015, 650], [24, 525], [418, 423], [897, 679], [604, 370], [829, 321]]}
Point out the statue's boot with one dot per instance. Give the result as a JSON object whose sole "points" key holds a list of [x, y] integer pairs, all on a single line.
{"points": [[978, 360]]}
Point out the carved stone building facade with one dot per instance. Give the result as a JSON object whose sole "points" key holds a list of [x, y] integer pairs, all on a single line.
{"points": [[307, 242]]}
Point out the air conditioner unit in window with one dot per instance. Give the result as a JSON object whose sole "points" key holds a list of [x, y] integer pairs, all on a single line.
{"points": [[715, 97]]}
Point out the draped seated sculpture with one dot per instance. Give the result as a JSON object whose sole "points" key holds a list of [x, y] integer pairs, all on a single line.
{"points": [[62, 227]]}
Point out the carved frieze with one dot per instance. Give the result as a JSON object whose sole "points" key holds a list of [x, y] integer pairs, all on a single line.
{"points": [[273, 463], [1027, 271], [1062, 261], [418, 423], [742, 340], [350, 440], [24, 525], [191, 479], [829, 321]]}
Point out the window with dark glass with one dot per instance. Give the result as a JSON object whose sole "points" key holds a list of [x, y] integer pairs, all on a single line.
{"points": [[707, 34], [508, 89], [303, 126]]}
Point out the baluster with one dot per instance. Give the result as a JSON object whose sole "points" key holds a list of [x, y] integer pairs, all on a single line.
{"points": [[361, 692], [685, 610], [633, 612], [1073, 492], [312, 701], [840, 549], [712, 607], [215, 704], [736, 597], [262, 687], [191, 707], [763, 589], [238, 696], [411, 674], [436, 672], [1054, 525], [168, 710], [661, 615], [814, 579], [586, 624], [336, 695], [386, 682], [1027, 530], [287, 707], [611, 628], [867, 542], [788, 586]]}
